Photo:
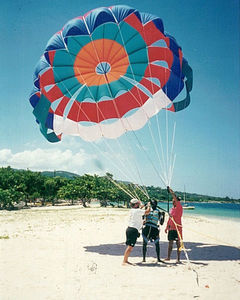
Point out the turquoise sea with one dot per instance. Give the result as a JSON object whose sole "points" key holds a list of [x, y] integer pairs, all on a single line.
{"points": [[220, 210]]}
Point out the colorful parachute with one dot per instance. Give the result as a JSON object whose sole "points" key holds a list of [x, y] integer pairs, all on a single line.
{"points": [[106, 73]]}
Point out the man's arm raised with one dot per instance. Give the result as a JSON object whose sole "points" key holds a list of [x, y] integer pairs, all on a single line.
{"points": [[172, 193]]}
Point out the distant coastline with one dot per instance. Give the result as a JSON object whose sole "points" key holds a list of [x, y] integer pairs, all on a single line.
{"points": [[212, 209]]}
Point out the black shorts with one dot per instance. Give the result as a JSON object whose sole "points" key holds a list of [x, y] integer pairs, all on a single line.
{"points": [[131, 234], [172, 235], [150, 233]]}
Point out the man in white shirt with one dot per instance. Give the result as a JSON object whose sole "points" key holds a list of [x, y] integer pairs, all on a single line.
{"points": [[134, 226]]}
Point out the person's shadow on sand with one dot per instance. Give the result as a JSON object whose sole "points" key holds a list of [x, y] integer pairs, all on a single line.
{"points": [[196, 251]]}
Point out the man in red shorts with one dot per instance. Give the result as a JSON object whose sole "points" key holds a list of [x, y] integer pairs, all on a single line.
{"points": [[174, 225]]}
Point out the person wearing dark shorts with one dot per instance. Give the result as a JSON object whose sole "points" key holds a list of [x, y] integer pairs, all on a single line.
{"points": [[174, 225], [132, 234], [134, 226], [150, 231], [172, 235]]}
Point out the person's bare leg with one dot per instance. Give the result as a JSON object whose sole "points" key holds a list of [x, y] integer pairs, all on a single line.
{"points": [[157, 247], [126, 255], [170, 246], [178, 251]]}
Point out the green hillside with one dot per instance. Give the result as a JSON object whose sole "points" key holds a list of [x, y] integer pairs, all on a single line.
{"points": [[63, 174]]}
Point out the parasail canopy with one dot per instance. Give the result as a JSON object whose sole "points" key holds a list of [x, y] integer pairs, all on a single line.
{"points": [[108, 72]]}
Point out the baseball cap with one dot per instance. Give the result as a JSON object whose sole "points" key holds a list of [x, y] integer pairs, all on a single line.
{"points": [[134, 201]]}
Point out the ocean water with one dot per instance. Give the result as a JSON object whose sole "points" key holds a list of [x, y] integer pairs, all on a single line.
{"points": [[220, 210]]}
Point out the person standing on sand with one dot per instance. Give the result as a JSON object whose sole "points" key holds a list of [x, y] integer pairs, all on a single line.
{"points": [[174, 225], [134, 226], [151, 229]]}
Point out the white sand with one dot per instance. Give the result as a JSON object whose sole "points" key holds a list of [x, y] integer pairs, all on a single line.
{"points": [[76, 253]]}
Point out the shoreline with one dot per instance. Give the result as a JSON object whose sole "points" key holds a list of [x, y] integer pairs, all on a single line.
{"points": [[94, 205]]}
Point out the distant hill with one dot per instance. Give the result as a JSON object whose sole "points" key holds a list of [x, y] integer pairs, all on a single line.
{"points": [[154, 192], [64, 174]]}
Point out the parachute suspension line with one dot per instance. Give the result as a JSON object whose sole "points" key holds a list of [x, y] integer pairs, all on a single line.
{"points": [[98, 110], [135, 192], [79, 104], [171, 171], [120, 187], [64, 42], [114, 103], [107, 83], [162, 161], [107, 157], [133, 161], [124, 44], [126, 190], [167, 148], [157, 152], [166, 125], [127, 170], [159, 175], [182, 246], [141, 146], [172, 157], [153, 165], [76, 93], [144, 190]]}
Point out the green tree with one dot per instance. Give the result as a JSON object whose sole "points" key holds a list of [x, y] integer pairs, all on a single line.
{"points": [[85, 187], [106, 191], [9, 197], [68, 192]]}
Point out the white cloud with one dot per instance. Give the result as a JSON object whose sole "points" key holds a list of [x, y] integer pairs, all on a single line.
{"points": [[5, 155], [45, 159]]}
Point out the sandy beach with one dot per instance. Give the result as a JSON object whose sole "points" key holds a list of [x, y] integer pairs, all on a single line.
{"points": [[76, 253]]}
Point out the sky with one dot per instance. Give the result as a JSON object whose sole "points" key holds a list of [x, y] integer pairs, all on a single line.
{"points": [[207, 136]]}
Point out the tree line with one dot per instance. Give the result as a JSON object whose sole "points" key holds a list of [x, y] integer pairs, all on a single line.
{"points": [[34, 188]]}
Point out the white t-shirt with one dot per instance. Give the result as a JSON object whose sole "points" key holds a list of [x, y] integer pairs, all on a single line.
{"points": [[135, 219]]}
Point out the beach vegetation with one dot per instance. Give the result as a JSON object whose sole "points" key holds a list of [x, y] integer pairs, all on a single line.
{"points": [[4, 237], [25, 188]]}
